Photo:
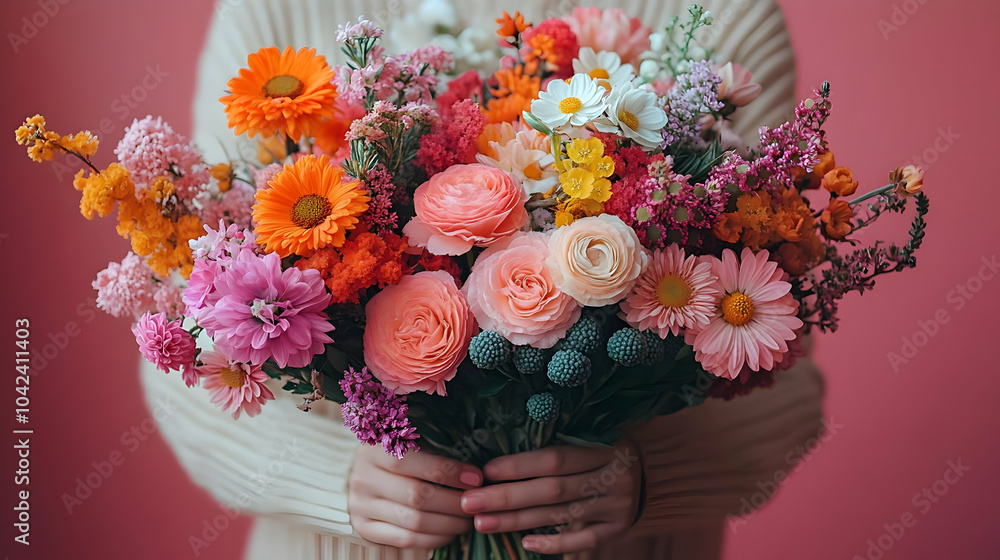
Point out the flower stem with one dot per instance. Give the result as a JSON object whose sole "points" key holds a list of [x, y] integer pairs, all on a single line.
{"points": [[876, 192]]}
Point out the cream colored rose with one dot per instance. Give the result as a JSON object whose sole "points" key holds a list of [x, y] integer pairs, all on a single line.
{"points": [[596, 260]]}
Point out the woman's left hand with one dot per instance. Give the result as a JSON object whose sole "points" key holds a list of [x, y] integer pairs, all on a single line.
{"points": [[593, 491]]}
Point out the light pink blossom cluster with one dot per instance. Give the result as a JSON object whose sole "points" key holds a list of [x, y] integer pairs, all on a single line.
{"points": [[411, 76], [130, 288], [151, 149]]}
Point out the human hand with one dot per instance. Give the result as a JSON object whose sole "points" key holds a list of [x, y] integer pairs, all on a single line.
{"points": [[593, 491], [413, 502]]}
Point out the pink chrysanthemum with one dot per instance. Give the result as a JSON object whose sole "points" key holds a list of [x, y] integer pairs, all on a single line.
{"points": [[754, 317], [166, 345], [151, 149], [125, 289], [676, 292], [261, 312], [235, 387]]}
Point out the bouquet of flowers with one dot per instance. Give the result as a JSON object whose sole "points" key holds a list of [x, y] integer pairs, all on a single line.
{"points": [[484, 265]]}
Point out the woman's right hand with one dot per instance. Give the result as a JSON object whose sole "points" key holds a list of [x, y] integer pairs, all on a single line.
{"points": [[413, 502]]}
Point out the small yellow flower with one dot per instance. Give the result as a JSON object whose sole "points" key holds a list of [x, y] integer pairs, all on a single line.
{"points": [[601, 192], [583, 152], [602, 167], [577, 182]]}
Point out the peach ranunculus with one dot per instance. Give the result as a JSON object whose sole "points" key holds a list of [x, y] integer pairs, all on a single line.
{"points": [[736, 87], [840, 182], [837, 219], [596, 260], [610, 30], [418, 332], [511, 291], [466, 205], [909, 180]]}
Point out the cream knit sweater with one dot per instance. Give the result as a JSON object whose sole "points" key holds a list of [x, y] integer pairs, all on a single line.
{"points": [[290, 468]]}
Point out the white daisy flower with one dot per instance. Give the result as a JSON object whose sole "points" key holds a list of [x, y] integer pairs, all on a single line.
{"points": [[605, 67], [575, 103], [526, 157], [633, 113]]}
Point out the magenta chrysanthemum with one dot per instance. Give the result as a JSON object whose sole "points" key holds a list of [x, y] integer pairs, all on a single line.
{"points": [[126, 289], [376, 415], [165, 344], [262, 312], [676, 292], [151, 149], [755, 316], [235, 387]]}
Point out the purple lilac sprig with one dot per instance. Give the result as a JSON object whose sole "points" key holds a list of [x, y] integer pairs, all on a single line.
{"points": [[696, 93], [376, 415]]}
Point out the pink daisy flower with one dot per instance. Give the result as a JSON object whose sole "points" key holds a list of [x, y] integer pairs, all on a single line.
{"points": [[259, 312], [235, 387], [166, 345], [754, 318], [676, 292]]}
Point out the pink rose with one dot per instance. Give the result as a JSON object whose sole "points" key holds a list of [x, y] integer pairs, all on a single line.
{"points": [[466, 205], [736, 87], [610, 30], [596, 260], [418, 332], [512, 292]]}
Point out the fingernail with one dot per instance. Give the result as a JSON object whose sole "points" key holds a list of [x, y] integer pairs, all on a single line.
{"points": [[471, 478], [472, 503], [487, 523], [529, 543]]}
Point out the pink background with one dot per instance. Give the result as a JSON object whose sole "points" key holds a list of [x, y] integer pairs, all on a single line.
{"points": [[927, 89]]}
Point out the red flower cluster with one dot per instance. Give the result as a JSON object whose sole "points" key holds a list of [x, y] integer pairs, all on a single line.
{"points": [[366, 259]]}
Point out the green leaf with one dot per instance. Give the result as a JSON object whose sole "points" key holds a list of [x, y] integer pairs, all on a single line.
{"points": [[591, 441], [493, 387]]}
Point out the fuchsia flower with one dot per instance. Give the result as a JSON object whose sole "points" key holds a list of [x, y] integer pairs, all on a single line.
{"points": [[376, 415], [235, 387], [754, 319], [261, 312], [166, 345]]}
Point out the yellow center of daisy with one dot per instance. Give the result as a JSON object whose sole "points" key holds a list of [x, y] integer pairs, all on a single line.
{"points": [[570, 105], [673, 291], [310, 211], [604, 84], [233, 377], [283, 85], [628, 119], [599, 73], [737, 309]]}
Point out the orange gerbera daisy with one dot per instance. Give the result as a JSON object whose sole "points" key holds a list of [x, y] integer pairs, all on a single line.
{"points": [[308, 207], [289, 92]]}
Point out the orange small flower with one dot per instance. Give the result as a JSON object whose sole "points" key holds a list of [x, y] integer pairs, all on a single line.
{"points": [[308, 207], [840, 182], [729, 227], [289, 92], [837, 219], [511, 26], [223, 173], [102, 190], [909, 180], [814, 179]]}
